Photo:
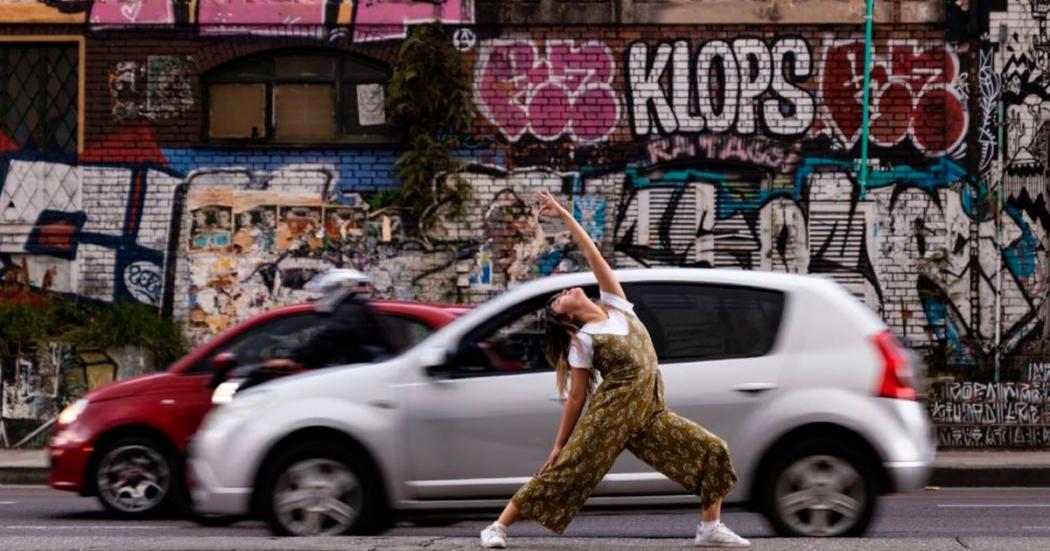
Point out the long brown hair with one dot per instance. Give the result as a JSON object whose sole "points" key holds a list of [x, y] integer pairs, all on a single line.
{"points": [[560, 331]]}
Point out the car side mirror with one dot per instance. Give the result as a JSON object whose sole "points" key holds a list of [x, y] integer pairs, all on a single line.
{"points": [[221, 365], [436, 362]]}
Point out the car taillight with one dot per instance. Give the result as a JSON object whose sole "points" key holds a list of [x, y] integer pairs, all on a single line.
{"points": [[896, 370]]}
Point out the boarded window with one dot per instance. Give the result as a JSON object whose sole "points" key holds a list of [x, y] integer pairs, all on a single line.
{"points": [[304, 111], [237, 111], [299, 97]]}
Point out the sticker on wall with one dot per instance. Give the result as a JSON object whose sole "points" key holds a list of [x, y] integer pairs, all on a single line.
{"points": [[464, 39], [298, 227], [370, 105], [256, 230], [212, 228], [342, 222]]}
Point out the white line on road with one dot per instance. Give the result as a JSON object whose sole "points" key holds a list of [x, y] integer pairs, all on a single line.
{"points": [[80, 527], [8, 502], [994, 505]]}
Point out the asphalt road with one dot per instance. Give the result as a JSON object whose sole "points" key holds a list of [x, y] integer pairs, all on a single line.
{"points": [[36, 518]]}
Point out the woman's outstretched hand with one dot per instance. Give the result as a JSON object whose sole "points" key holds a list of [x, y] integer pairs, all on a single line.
{"points": [[549, 206]]}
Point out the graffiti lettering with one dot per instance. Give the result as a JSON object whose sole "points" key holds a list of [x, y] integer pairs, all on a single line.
{"points": [[913, 95], [757, 150], [566, 91], [744, 86]]}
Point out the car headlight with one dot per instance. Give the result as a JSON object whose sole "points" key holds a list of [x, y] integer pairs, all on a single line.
{"points": [[241, 407], [72, 411], [224, 392]]}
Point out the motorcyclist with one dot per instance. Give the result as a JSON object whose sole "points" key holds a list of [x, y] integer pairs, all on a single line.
{"points": [[353, 332]]}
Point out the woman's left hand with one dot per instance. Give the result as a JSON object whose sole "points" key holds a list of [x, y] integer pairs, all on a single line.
{"points": [[551, 460]]}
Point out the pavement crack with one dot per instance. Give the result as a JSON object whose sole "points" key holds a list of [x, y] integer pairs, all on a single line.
{"points": [[427, 544], [961, 542]]}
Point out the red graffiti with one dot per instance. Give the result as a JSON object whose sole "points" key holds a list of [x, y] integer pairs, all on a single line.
{"points": [[565, 91], [912, 95]]}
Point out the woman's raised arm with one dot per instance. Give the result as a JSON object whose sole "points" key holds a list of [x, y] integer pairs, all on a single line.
{"points": [[607, 281]]}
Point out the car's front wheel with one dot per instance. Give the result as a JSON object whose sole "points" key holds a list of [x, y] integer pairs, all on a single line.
{"points": [[819, 488], [134, 477], [321, 489]]}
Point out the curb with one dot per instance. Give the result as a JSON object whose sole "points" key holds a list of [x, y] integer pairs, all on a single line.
{"points": [[946, 477], [972, 477], [24, 475]]}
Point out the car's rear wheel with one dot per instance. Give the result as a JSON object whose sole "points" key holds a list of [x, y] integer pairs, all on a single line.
{"points": [[321, 489], [819, 488], [134, 477]]}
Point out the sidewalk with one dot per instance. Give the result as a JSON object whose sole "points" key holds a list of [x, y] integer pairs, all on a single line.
{"points": [[386, 543], [953, 468]]}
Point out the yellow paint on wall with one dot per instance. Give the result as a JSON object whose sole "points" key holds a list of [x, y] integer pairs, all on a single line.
{"points": [[100, 375], [346, 12], [38, 13]]}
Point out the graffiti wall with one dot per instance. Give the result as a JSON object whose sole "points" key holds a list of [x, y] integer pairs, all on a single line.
{"points": [[715, 146], [370, 20]]}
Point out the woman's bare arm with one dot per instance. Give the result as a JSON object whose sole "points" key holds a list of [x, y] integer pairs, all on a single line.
{"points": [[602, 271], [577, 398]]}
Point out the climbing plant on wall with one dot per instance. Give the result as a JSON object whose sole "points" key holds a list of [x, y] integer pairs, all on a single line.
{"points": [[429, 96], [57, 319]]}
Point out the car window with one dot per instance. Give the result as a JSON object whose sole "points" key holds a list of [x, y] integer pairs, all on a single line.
{"points": [[707, 322], [406, 332], [274, 339], [511, 342]]}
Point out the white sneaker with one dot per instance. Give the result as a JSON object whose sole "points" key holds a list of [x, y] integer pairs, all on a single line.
{"points": [[720, 536], [494, 537]]}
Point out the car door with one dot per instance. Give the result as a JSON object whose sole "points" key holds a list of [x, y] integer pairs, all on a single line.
{"points": [[716, 345], [482, 431]]}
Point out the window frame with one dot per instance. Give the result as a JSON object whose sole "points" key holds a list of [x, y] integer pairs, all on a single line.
{"points": [[340, 79], [402, 340], [239, 338], [633, 289], [503, 319], [81, 70]]}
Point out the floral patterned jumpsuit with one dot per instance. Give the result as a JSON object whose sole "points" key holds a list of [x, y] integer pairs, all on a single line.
{"points": [[627, 411]]}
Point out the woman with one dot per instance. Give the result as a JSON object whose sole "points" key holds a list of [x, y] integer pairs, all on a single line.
{"points": [[626, 412]]}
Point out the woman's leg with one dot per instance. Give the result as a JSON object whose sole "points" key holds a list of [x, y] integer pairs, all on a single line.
{"points": [[698, 460], [712, 513], [509, 515]]}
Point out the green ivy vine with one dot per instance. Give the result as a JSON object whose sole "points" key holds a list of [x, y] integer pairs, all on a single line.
{"points": [[429, 96]]}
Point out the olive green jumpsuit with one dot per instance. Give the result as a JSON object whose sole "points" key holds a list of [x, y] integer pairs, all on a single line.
{"points": [[626, 411]]}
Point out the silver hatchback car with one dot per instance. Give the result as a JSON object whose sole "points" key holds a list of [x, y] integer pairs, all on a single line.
{"points": [[806, 385]]}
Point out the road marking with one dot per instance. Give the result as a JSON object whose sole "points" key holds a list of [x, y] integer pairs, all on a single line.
{"points": [[8, 502], [994, 505], [80, 527]]}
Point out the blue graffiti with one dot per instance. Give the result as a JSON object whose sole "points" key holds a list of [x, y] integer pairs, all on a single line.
{"points": [[944, 329], [941, 174], [589, 211], [1021, 256], [747, 197]]}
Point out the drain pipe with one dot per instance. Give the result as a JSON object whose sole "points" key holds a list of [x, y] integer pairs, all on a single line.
{"points": [[868, 16]]}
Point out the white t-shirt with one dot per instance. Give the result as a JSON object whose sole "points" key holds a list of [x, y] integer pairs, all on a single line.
{"points": [[581, 351]]}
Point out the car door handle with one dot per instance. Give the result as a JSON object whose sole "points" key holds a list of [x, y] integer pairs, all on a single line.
{"points": [[754, 388]]}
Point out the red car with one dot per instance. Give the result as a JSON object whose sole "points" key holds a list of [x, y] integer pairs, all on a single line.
{"points": [[126, 442]]}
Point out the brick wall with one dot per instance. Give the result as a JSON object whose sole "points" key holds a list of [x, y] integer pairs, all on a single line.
{"points": [[705, 145]]}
